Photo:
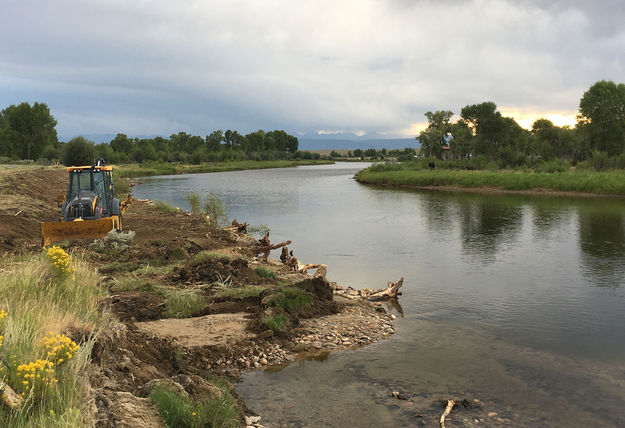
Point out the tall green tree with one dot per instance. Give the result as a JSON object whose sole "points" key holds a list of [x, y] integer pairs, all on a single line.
{"points": [[213, 141], [602, 111], [78, 151], [27, 130], [435, 135]]}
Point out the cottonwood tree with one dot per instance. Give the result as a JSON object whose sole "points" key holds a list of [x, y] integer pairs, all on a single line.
{"points": [[26, 130], [435, 135], [602, 116]]}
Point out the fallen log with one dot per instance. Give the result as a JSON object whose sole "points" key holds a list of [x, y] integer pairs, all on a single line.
{"points": [[264, 250], [10, 398], [450, 405], [390, 292]]}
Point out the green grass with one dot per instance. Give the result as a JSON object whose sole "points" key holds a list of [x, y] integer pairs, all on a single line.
{"points": [[142, 170], [38, 302], [276, 323], [165, 207], [291, 299], [212, 256], [239, 293], [133, 282], [120, 267], [179, 411], [609, 183], [155, 270], [263, 272], [183, 304]]}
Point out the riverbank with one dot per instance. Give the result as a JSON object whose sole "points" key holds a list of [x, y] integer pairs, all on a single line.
{"points": [[146, 169], [570, 183], [187, 309]]}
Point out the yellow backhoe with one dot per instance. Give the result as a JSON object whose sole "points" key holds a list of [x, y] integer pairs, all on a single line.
{"points": [[90, 209]]}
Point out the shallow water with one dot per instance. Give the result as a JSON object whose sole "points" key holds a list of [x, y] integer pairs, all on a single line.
{"points": [[515, 300]]}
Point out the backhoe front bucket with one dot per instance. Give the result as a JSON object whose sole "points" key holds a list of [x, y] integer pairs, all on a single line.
{"points": [[52, 232]]}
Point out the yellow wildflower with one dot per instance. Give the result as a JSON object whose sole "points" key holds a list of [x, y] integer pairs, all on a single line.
{"points": [[58, 348]]}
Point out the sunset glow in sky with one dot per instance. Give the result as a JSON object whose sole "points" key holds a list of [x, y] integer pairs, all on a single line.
{"points": [[366, 66]]}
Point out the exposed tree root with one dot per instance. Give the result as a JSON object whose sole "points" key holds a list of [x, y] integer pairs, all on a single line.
{"points": [[450, 405]]}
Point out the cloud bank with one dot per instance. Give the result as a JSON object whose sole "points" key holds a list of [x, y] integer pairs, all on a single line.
{"points": [[157, 67]]}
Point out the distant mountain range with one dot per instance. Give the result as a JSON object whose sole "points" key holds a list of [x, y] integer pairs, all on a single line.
{"points": [[353, 144], [311, 141]]}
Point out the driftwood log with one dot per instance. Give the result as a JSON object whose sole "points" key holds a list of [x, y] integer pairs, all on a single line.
{"points": [[450, 405], [321, 272], [288, 259], [10, 398], [266, 246], [391, 291], [238, 227]]}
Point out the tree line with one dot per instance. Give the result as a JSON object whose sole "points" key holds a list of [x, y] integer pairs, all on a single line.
{"points": [[483, 134], [28, 132]]}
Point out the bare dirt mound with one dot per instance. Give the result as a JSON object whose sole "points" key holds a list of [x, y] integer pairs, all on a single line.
{"points": [[28, 197], [219, 269]]}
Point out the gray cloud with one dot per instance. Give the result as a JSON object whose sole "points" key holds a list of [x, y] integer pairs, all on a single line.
{"points": [[372, 65]]}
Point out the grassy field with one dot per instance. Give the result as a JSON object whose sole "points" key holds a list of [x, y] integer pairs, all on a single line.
{"points": [[141, 170], [605, 183]]}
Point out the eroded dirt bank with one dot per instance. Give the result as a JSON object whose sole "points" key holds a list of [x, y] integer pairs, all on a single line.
{"points": [[193, 304]]}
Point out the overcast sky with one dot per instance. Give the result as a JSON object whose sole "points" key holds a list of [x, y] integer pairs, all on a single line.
{"points": [[156, 67]]}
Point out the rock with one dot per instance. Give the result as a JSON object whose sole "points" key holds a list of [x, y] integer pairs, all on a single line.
{"points": [[130, 411], [317, 345], [393, 316], [125, 364], [251, 420], [492, 414], [265, 334], [172, 385], [264, 361]]}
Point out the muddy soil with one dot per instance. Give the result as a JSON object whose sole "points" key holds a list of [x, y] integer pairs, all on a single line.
{"points": [[174, 256]]}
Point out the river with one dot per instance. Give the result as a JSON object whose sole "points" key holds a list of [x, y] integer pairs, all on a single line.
{"points": [[517, 301]]}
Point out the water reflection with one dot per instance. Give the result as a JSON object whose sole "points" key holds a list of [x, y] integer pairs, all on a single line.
{"points": [[602, 241], [486, 224]]}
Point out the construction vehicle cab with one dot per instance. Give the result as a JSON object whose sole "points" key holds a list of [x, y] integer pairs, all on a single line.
{"points": [[90, 209], [90, 195]]}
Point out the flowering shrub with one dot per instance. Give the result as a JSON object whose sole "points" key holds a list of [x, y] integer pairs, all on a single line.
{"points": [[36, 374], [58, 348], [61, 262]]}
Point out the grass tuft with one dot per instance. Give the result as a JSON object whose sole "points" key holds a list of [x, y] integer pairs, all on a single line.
{"points": [[239, 293], [180, 411], [165, 207], [276, 323], [291, 299], [212, 256], [183, 304], [263, 272]]}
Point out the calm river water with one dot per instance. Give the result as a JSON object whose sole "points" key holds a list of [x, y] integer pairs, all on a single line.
{"points": [[517, 301]]}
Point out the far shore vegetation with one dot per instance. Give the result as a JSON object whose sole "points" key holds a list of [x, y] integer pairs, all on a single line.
{"points": [[413, 174], [485, 149], [482, 148]]}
